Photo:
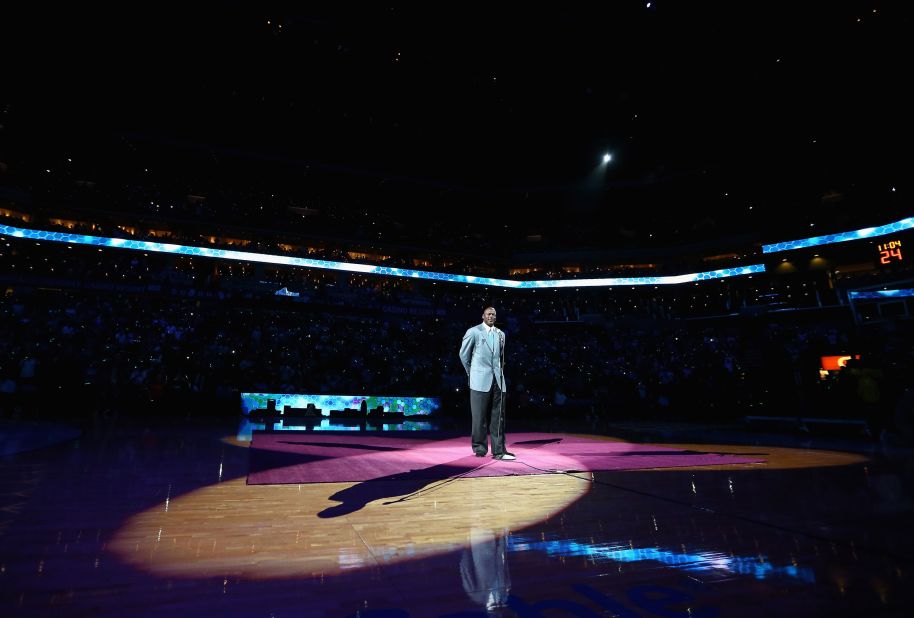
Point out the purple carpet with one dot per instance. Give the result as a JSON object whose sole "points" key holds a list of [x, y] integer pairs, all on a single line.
{"points": [[280, 458]]}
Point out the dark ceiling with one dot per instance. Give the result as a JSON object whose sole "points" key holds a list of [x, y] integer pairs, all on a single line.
{"points": [[707, 108]]}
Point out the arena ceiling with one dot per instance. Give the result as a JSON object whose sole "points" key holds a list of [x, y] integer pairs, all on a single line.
{"points": [[724, 115]]}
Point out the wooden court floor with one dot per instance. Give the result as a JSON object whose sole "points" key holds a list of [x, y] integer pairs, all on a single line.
{"points": [[130, 519]]}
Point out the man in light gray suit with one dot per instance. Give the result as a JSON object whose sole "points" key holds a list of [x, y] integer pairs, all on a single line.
{"points": [[482, 353]]}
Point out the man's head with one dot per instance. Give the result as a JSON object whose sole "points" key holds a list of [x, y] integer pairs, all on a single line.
{"points": [[488, 316]]}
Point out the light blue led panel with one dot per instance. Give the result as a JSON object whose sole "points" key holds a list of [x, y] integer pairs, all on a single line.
{"points": [[815, 241], [408, 406], [286, 260], [878, 294]]}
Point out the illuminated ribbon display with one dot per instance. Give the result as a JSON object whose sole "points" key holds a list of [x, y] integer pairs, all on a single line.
{"points": [[368, 269]]}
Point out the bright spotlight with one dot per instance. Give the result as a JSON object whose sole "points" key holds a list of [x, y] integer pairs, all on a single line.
{"points": [[607, 158]]}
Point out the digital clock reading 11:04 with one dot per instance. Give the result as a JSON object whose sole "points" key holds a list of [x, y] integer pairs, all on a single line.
{"points": [[889, 251]]}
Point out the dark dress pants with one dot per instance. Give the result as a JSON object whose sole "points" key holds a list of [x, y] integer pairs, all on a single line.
{"points": [[488, 409]]}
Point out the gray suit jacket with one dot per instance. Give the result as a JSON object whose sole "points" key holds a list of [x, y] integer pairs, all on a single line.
{"points": [[481, 360]]}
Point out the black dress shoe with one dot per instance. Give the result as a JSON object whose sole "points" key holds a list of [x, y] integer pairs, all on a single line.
{"points": [[478, 454], [506, 456]]}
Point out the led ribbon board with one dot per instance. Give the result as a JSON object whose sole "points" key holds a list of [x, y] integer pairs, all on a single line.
{"points": [[408, 406], [815, 241], [899, 293], [368, 269]]}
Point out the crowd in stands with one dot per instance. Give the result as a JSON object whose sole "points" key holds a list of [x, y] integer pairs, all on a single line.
{"points": [[116, 329]]}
